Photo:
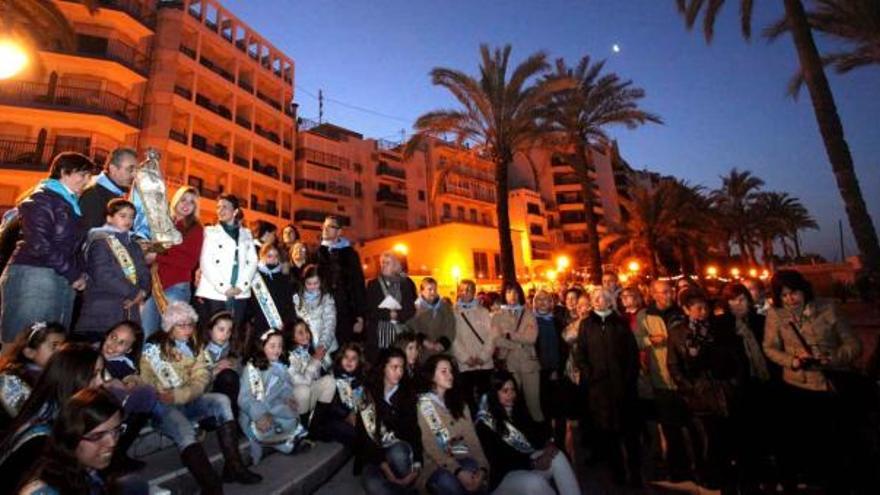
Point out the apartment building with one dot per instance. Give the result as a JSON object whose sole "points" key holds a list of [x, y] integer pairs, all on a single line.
{"points": [[88, 99], [183, 76]]}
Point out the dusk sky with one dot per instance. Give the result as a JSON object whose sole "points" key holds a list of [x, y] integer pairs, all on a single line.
{"points": [[724, 105]]}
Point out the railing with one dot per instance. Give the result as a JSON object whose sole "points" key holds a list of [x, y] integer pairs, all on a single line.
{"points": [[565, 179], [178, 136], [213, 67], [245, 85], [115, 50], [323, 187], [272, 103], [286, 178], [240, 161], [23, 154], [472, 172], [135, 9], [384, 144], [271, 136], [200, 143], [68, 97], [390, 196], [449, 219], [285, 214], [205, 102], [243, 122], [318, 216], [189, 52], [180, 90], [393, 224], [385, 169]]}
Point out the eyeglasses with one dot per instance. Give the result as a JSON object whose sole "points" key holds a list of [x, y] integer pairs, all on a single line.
{"points": [[334, 227], [100, 435]]}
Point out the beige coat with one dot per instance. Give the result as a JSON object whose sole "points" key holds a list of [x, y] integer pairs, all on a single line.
{"points": [[466, 344], [824, 331], [517, 345], [658, 372], [193, 372], [434, 458]]}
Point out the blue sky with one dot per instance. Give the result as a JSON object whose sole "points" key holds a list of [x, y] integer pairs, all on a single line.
{"points": [[724, 105]]}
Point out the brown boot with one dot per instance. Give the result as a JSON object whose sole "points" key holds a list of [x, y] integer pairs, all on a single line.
{"points": [[196, 460], [234, 469]]}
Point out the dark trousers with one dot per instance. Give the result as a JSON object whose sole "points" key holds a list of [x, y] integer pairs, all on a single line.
{"points": [[673, 418], [473, 385], [227, 382], [400, 459]]}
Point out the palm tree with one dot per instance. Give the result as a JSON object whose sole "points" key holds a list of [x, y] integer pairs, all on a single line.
{"points": [[40, 22], [499, 114], [734, 202], [663, 222], [824, 108], [852, 22], [581, 114]]}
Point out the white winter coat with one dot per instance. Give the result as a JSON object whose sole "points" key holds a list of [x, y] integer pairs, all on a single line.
{"points": [[321, 318], [216, 263]]}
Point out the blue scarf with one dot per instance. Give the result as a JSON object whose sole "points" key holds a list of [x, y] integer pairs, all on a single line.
{"points": [[60, 189], [466, 305], [302, 351], [183, 347], [340, 243], [433, 307], [311, 297], [109, 185], [278, 365], [512, 307], [216, 350], [122, 359], [544, 316], [269, 271], [390, 393]]}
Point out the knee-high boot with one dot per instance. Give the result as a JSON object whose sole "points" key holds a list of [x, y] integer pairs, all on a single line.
{"points": [[196, 460], [233, 468], [121, 462]]}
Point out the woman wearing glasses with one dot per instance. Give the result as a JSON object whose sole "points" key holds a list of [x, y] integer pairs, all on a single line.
{"points": [[84, 438]]}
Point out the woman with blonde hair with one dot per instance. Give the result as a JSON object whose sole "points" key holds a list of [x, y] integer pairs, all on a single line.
{"points": [[173, 269]]}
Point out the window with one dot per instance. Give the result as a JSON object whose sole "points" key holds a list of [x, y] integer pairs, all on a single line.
{"points": [[421, 195], [473, 215], [486, 220], [481, 265], [460, 212], [497, 265], [572, 217], [533, 209], [447, 210], [536, 229]]}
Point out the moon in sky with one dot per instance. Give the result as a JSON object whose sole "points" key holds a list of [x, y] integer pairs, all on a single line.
{"points": [[615, 48]]}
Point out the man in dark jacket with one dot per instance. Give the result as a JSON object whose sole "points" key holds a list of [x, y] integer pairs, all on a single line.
{"points": [[339, 267], [113, 182], [383, 325]]}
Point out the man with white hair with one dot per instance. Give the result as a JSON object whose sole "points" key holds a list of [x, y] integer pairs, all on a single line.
{"points": [[391, 301]]}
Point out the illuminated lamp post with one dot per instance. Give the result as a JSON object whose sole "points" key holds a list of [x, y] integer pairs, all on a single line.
{"points": [[711, 271], [13, 57], [734, 272]]}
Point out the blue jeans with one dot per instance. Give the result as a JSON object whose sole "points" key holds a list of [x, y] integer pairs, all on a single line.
{"points": [[400, 459], [151, 319], [444, 482], [177, 423], [30, 294]]}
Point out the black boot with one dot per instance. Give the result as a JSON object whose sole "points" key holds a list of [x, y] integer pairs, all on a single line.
{"points": [[122, 463], [196, 460], [233, 468]]}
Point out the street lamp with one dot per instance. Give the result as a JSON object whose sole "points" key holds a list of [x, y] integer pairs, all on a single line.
{"points": [[13, 58], [634, 266], [562, 262], [712, 271], [734, 272], [400, 248], [753, 272]]}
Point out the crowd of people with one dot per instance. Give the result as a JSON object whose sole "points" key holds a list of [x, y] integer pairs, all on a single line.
{"points": [[262, 337]]}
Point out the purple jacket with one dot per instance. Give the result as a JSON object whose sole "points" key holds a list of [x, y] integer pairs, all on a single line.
{"points": [[51, 235]]}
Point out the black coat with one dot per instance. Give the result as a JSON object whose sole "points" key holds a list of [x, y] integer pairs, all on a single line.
{"points": [[281, 289], [399, 417], [50, 235], [706, 369], [343, 276], [608, 359], [93, 204], [108, 287], [374, 315], [501, 456]]}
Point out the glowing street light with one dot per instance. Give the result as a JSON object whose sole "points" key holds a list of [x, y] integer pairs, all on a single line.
{"points": [[734, 272], [712, 271], [765, 275], [753, 272], [562, 262], [13, 58], [551, 275], [456, 273], [623, 278], [634, 266], [400, 248]]}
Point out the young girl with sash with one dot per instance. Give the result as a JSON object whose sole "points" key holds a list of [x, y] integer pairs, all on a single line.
{"points": [[22, 364], [279, 290], [411, 346], [221, 352], [388, 450], [305, 369], [72, 368], [268, 409], [453, 457], [335, 415], [172, 364], [318, 309], [119, 279], [523, 459]]}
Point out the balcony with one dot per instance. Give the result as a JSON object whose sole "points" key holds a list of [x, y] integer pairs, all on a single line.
{"points": [[32, 155], [114, 50], [268, 207], [286, 179], [213, 67], [271, 136], [385, 169], [389, 196], [243, 122], [68, 98], [450, 218], [318, 217], [565, 179], [181, 91], [285, 214], [245, 86], [189, 52], [268, 170], [200, 143], [241, 161], [323, 187], [133, 8], [272, 103], [178, 136], [205, 102]]}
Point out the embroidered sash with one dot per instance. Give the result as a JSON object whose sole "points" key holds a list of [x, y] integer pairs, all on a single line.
{"points": [[352, 398], [13, 392], [368, 416], [256, 383], [163, 369], [123, 257], [453, 446], [267, 304], [514, 437]]}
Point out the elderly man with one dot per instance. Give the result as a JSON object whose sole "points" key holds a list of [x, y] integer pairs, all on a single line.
{"points": [[340, 270], [434, 321], [113, 182], [384, 315]]}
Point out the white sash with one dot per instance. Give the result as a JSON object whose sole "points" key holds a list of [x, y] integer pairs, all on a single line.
{"points": [[13, 392], [267, 304], [453, 446], [353, 399], [256, 383], [163, 369], [514, 437], [368, 416]]}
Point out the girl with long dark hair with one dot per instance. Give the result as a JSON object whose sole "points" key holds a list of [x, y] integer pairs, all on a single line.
{"points": [[336, 410], [453, 457], [388, 450], [72, 368], [523, 458], [22, 363], [84, 438], [317, 308]]}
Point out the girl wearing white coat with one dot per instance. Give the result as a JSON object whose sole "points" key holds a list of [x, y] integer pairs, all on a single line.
{"points": [[227, 264], [318, 309]]}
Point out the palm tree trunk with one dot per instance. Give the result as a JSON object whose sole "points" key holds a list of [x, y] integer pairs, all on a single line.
{"points": [[594, 257], [832, 134], [797, 245], [508, 263], [767, 253]]}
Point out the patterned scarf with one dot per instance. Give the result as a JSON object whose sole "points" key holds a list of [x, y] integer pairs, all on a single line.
{"points": [[757, 364]]}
